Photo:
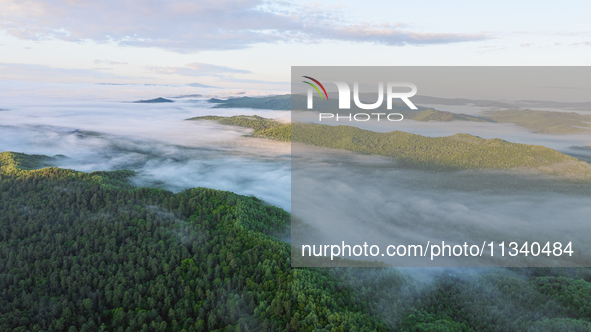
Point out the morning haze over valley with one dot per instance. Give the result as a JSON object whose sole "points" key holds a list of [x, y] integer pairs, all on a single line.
{"points": [[189, 166]]}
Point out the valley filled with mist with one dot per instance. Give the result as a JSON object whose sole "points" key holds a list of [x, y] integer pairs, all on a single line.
{"points": [[197, 236], [153, 140]]}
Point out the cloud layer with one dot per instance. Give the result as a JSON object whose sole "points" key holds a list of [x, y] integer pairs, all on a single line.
{"points": [[189, 26], [109, 62], [153, 140], [197, 69], [10, 71]]}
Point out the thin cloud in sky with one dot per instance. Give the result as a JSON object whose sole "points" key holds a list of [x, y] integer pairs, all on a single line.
{"points": [[189, 26], [109, 62], [197, 69], [17, 70]]}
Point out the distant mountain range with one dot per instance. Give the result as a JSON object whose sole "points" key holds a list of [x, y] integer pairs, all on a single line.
{"points": [[544, 122], [283, 102], [502, 104], [156, 100]]}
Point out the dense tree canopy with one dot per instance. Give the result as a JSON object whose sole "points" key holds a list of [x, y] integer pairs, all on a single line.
{"points": [[88, 252], [456, 152]]}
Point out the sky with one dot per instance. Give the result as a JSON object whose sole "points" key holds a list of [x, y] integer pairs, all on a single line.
{"points": [[253, 43]]}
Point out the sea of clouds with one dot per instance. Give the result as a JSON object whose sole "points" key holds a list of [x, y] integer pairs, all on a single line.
{"points": [[98, 132], [342, 195]]}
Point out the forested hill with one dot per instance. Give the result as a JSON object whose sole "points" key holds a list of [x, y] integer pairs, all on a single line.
{"points": [[459, 151], [13, 160], [545, 122], [267, 128], [82, 251], [282, 102], [87, 252]]}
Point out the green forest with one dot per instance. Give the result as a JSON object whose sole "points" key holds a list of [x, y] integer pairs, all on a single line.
{"points": [[281, 102], [544, 122], [459, 151], [89, 252], [266, 128]]}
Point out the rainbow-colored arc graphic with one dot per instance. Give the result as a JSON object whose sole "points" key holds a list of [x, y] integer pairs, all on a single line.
{"points": [[315, 87]]}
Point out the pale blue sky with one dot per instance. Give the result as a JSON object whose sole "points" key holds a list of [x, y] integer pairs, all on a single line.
{"points": [[246, 43]]}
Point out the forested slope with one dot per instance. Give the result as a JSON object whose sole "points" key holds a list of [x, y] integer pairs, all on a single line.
{"points": [[544, 122], [88, 252], [263, 127], [82, 251], [14, 161], [459, 151]]}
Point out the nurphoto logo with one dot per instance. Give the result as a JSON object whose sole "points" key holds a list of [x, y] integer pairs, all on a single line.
{"points": [[345, 99]]}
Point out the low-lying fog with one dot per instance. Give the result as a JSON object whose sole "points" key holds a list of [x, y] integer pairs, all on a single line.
{"points": [[357, 199], [154, 140], [370, 199]]}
